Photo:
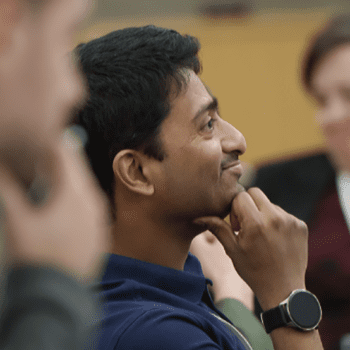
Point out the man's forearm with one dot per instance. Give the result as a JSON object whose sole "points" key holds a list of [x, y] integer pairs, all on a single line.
{"points": [[287, 338]]}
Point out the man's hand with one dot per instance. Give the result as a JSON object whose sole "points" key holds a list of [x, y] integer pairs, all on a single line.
{"points": [[269, 251], [68, 230]]}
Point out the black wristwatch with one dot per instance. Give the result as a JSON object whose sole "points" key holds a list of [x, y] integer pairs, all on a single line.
{"points": [[301, 310]]}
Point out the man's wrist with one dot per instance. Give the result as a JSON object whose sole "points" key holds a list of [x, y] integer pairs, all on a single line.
{"points": [[300, 310], [273, 299]]}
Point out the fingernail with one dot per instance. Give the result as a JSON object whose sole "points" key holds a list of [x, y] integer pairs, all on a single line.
{"points": [[38, 191], [209, 237], [76, 137], [241, 188]]}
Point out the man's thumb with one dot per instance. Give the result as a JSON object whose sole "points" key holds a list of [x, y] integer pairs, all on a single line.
{"points": [[221, 229]]}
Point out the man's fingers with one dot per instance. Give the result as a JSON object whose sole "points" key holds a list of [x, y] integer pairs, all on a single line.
{"points": [[244, 207], [259, 198], [235, 225], [248, 206], [222, 230], [23, 199]]}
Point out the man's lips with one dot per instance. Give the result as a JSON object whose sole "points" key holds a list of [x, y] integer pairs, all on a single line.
{"points": [[235, 167]]}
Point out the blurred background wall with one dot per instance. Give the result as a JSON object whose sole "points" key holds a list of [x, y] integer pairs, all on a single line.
{"points": [[251, 53]]}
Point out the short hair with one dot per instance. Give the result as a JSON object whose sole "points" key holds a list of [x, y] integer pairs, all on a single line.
{"points": [[334, 34], [131, 74]]}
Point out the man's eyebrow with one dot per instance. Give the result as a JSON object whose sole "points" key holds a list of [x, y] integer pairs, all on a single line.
{"points": [[212, 105]]}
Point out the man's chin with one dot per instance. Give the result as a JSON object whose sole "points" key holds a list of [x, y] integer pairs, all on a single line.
{"points": [[224, 209], [228, 208]]}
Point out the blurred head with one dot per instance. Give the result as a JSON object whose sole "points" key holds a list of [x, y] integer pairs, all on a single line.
{"points": [[154, 128], [38, 78], [326, 76], [39, 82]]}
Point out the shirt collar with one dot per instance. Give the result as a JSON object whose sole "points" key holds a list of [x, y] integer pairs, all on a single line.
{"points": [[189, 283], [343, 188]]}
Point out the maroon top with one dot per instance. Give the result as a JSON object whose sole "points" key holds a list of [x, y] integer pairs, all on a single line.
{"points": [[328, 273]]}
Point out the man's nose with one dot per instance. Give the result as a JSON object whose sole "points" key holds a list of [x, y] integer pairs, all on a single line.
{"points": [[232, 139]]}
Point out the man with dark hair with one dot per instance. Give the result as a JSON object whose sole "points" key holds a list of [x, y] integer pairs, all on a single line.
{"points": [[142, 100], [170, 166]]}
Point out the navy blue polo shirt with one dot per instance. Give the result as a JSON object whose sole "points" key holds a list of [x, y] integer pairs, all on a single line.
{"points": [[152, 307]]}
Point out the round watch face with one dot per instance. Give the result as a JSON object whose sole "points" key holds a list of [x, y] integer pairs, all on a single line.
{"points": [[304, 310]]}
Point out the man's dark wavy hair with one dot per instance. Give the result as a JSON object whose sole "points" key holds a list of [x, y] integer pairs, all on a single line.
{"points": [[131, 75]]}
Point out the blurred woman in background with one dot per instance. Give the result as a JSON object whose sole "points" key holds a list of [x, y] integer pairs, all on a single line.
{"points": [[316, 188]]}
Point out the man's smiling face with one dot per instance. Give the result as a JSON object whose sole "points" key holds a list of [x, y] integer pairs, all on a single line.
{"points": [[199, 175]]}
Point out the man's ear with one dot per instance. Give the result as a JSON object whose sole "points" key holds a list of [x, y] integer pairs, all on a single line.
{"points": [[129, 167]]}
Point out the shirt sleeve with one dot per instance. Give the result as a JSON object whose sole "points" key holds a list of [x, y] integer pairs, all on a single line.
{"points": [[47, 309], [246, 322]]}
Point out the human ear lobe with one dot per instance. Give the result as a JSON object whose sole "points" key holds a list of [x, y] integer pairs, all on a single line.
{"points": [[128, 169]]}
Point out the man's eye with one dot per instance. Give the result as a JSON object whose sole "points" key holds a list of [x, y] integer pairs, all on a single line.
{"points": [[210, 124]]}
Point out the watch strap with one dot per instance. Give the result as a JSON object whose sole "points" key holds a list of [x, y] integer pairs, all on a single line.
{"points": [[274, 318]]}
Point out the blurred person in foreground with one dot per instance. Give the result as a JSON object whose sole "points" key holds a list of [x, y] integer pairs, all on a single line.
{"points": [[170, 167], [52, 213], [316, 188]]}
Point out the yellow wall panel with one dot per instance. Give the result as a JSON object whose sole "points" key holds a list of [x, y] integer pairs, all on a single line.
{"points": [[253, 67]]}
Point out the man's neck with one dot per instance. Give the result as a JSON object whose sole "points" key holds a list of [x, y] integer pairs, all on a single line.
{"points": [[137, 237]]}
